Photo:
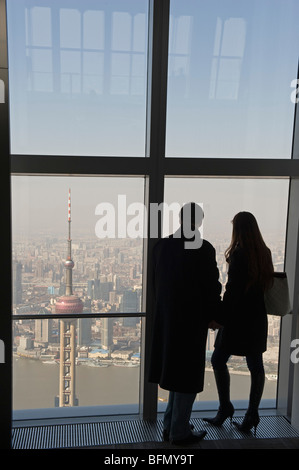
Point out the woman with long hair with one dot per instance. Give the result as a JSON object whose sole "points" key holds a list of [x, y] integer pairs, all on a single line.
{"points": [[243, 317]]}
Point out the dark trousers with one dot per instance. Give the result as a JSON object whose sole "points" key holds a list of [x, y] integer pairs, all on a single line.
{"points": [[177, 414]]}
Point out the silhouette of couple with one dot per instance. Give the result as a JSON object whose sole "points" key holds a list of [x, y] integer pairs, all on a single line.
{"points": [[188, 301]]}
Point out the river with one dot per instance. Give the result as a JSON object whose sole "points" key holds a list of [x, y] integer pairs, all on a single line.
{"points": [[36, 383]]}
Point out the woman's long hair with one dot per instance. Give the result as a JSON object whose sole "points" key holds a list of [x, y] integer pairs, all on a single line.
{"points": [[246, 234]]}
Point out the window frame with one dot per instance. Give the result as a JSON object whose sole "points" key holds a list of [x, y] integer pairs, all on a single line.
{"points": [[154, 167]]}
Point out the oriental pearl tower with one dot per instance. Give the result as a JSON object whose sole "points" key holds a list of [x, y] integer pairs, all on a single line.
{"points": [[68, 304]]}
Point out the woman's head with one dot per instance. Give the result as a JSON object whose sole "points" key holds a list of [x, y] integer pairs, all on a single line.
{"points": [[246, 235], [246, 231]]}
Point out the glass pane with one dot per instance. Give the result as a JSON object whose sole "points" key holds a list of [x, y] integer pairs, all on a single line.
{"points": [[77, 247], [101, 368], [78, 77], [106, 242], [232, 67], [221, 199]]}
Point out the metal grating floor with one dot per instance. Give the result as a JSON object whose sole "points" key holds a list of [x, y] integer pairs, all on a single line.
{"points": [[64, 436]]}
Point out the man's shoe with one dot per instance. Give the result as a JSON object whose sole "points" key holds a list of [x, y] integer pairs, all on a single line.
{"points": [[166, 433], [196, 436]]}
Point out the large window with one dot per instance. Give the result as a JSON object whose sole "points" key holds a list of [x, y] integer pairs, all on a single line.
{"points": [[231, 65], [210, 83], [105, 239], [78, 74], [221, 199], [107, 356], [106, 221]]}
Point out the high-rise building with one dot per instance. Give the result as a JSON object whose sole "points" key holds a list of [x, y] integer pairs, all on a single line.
{"points": [[93, 289], [84, 331], [107, 333], [130, 301], [68, 304], [17, 282], [43, 331], [130, 305], [104, 289]]}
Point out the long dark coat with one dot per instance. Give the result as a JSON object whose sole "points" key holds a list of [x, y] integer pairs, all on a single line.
{"points": [[187, 294], [243, 314]]}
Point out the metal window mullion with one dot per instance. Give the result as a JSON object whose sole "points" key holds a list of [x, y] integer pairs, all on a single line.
{"points": [[78, 165], [5, 317], [154, 183], [288, 384], [140, 166], [231, 167], [286, 396]]}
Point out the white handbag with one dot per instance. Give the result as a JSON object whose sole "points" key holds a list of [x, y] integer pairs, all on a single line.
{"points": [[277, 298]]}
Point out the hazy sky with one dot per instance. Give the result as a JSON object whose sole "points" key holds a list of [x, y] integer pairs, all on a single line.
{"points": [[39, 204], [78, 76], [230, 69]]}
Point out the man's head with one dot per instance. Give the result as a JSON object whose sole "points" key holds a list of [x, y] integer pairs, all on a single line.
{"points": [[191, 216]]}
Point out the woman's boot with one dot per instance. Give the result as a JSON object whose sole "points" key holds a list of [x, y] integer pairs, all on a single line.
{"points": [[251, 418], [226, 409]]}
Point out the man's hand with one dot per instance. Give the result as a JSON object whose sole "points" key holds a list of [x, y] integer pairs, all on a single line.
{"points": [[214, 325]]}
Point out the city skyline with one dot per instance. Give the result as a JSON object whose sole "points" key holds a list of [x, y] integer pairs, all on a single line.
{"points": [[112, 343], [41, 254], [103, 286]]}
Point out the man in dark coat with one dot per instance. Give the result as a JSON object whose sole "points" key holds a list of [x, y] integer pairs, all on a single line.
{"points": [[187, 297]]}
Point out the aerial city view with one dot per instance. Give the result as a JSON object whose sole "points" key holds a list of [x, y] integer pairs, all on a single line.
{"points": [[79, 87], [56, 274]]}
